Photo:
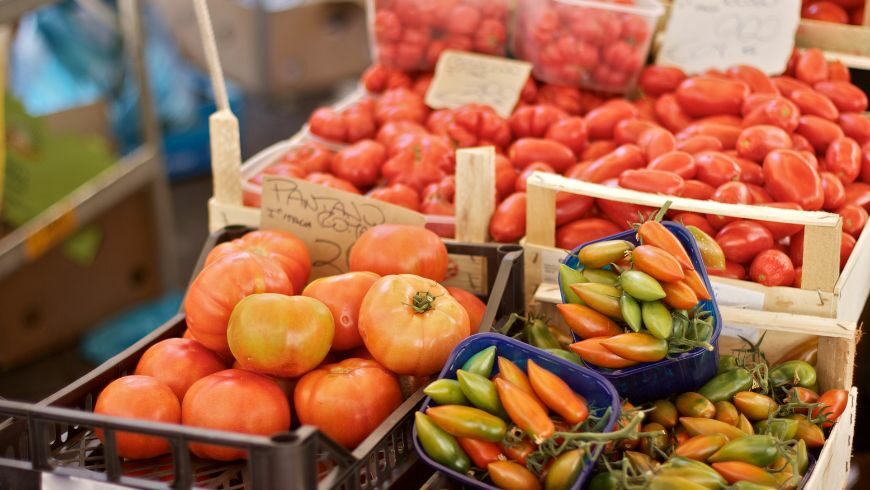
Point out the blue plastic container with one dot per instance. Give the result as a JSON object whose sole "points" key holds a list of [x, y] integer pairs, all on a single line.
{"points": [[597, 391], [687, 372]]}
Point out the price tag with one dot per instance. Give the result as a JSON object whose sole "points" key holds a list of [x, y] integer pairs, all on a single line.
{"points": [[462, 78], [748, 333], [703, 34], [327, 220]]}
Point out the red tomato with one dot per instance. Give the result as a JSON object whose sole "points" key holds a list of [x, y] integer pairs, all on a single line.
{"points": [[756, 142], [697, 144], [398, 194], [418, 166], [832, 405], [570, 132], [534, 121], [393, 132], [732, 270], [843, 159], [629, 130], [626, 157], [597, 149], [835, 192], [285, 248], [742, 240], [347, 400], [707, 96], [790, 178], [750, 172], [801, 144], [825, 11], [491, 37], [343, 294], [472, 304], [352, 125], [811, 66], [215, 402], [360, 164], [655, 142], [716, 168], [670, 114], [438, 121], [787, 84], [601, 122], [756, 79], [505, 177], [778, 111], [759, 195], [378, 78], [569, 99], [855, 126], [858, 193], [584, 231], [755, 101], [854, 219], [696, 220], [478, 125], [411, 340], [620, 213], [400, 249], [400, 104], [178, 363], [732, 193], [570, 207], [653, 181], [819, 132], [865, 164], [678, 162], [646, 107], [813, 103], [837, 71], [844, 95], [520, 184], [438, 198], [772, 268], [526, 151], [309, 156], [727, 134], [508, 222], [328, 180], [695, 189], [141, 398]]}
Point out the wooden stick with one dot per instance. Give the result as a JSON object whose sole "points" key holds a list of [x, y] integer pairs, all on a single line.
{"points": [[821, 254], [475, 193]]}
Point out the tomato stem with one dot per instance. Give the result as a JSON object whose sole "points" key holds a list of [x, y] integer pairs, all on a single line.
{"points": [[423, 301]]}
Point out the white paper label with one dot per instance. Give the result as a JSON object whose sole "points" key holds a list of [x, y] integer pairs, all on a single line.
{"points": [[728, 295], [750, 334], [550, 260], [703, 34]]}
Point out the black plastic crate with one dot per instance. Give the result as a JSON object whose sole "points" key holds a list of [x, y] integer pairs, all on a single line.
{"points": [[57, 435]]}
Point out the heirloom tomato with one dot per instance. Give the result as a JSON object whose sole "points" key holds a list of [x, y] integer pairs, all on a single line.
{"points": [[472, 304], [179, 363], [400, 249], [343, 295]]}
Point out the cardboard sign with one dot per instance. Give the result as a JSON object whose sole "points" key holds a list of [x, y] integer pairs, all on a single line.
{"points": [[703, 34], [327, 220], [463, 78]]}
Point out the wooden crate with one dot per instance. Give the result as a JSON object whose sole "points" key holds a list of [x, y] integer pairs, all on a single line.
{"points": [[825, 291]]}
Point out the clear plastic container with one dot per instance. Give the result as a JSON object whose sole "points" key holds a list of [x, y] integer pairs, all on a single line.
{"points": [[411, 34], [686, 372], [598, 45]]}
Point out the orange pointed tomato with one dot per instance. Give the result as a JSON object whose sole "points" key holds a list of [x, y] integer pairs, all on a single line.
{"points": [[694, 281], [343, 295], [657, 262], [481, 452], [679, 295], [525, 411], [472, 304], [557, 395], [517, 451], [592, 352], [701, 447], [735, 471], [410, 324], [637, 346], [512, 476], [654, 233], [586, 322], [285, 248], [400, 249], [602, 298], [834, 402], [511, 373]]}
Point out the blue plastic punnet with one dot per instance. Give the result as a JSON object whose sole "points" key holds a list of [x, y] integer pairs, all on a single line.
{"points": [[598, 392], [686, 372]]}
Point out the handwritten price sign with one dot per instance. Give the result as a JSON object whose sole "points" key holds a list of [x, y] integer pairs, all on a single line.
{"points": [[464, 78], [329, 221], [703, 34]]}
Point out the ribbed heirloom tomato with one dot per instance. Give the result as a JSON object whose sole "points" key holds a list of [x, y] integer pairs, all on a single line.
{"points": [[410, 324], [343, 295], [284, 247], [400, 249], [179, 363]]}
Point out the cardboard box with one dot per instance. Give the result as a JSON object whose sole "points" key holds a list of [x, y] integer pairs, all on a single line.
{"points": [[302, 48]]}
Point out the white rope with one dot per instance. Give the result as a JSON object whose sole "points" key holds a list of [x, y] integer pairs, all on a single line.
{"points": [[209, 44]]}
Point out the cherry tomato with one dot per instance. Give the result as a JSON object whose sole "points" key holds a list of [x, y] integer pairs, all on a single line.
{"points": [[778, 111], [732, 193], [508, 223], [756, 142], [601, 122], [699, 143], [398, 194], [670, 113], [811, 66], [843, 159], [813, 103], [526, 151], [756, 79], [835, 192], [680, 163], [716, 168], [656, 80], [855, 126], [854, 219], [583, 231], [695, 189], [571, 132], [708, 96], [844, 95], [726, 133], [826, 12], [609, 166], [742, 240], [655, 142], [791, 179], [654, 181], [834, 402], [782, 230], [772, 268]]}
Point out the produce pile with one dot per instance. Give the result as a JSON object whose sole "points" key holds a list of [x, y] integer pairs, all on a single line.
{"points": [[838, 11], [263, 342], [644, 307], [753, 426], [796, 141]]}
